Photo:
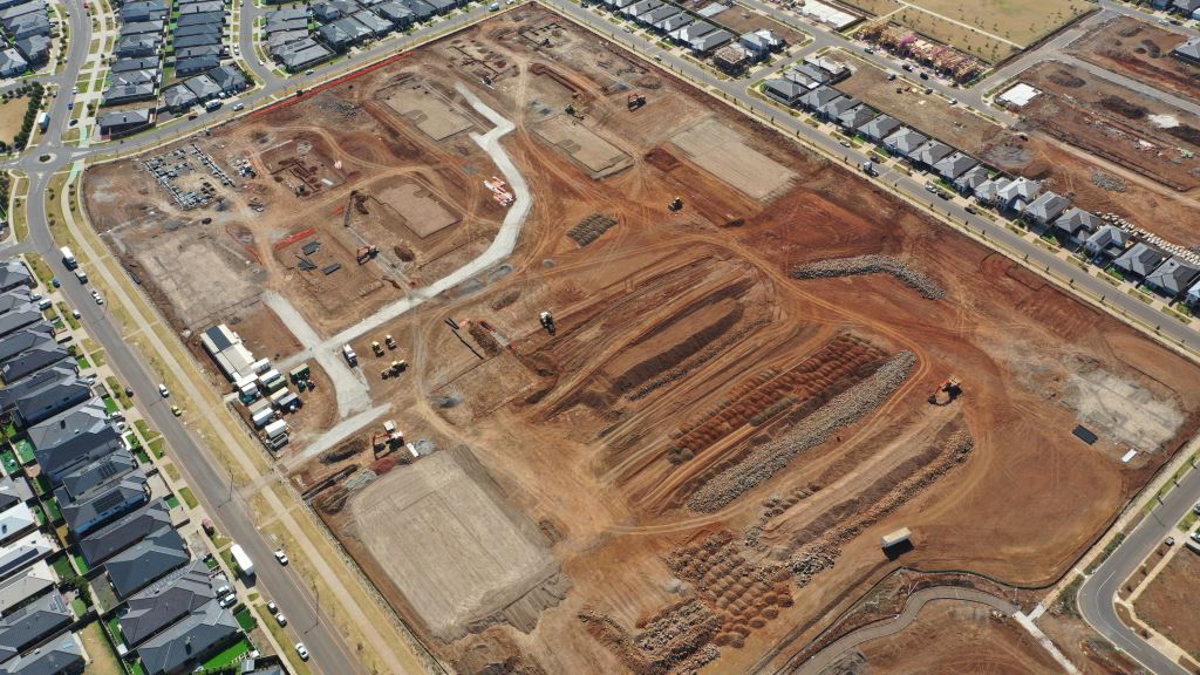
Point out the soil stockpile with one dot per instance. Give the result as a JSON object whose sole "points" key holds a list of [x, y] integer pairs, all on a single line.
{"points": [[871, 264]]}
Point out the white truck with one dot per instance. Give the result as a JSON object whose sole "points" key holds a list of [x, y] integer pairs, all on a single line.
{"points": [[351, 357], [68, 257], [245, 566]]}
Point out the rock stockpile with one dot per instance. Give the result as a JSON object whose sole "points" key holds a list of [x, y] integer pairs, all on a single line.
{"points": [[871, 264], [765, 461]]}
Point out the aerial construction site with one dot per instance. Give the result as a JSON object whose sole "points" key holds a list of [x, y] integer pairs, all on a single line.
{"points": [[668, 377]]}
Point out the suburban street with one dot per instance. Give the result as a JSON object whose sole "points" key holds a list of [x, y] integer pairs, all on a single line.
{"points": [[211, 481], [1099, 590]]}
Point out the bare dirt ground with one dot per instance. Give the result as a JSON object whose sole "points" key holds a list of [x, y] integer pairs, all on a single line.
{"points": [[1168, 604], [1115, 123], [739, 20], [1142, 51], [708, 448], [952, 637], [931, 115]]}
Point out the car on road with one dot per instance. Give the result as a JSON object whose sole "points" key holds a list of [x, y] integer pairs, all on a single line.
{"points": [[1196, 537], [70, 105], [75, 313], [972, 210], [868, 50], [281, 619], [845, 144], [239, 106], [1169, 541], [302, 651], [55, 282], [96, 296], [176, 410], [162, 389], [281, 557], [129, 392], [930, 187], [1196, 509], [891, 77]]}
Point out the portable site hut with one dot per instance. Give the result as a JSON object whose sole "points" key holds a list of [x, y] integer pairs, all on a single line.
{"points": [[300, 372], [262, 417], [276, 429], [896, 538]]}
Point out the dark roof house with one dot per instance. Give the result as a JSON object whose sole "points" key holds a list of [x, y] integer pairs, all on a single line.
{"points": [[132, 569], [101, 544]]}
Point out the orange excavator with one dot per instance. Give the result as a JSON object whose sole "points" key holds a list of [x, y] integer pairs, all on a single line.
{"points": [[946, 392], [635, 100]]}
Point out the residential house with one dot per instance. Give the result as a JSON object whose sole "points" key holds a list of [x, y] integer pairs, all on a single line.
{"points": [[302, 54], [286, 14], [442, 6], [278, 40], [185, 645], [142, 28], [96, 474], [211, 7], [954, 165], [971, 179], [760, 44], [21, 9], [26, 585], [692, 31], [878, 128], [1048, 206], [166, 602], [213, 29], [326, 12], [206, 51], [17, 319], [15, 488], [17, 342], [33, 623], [64, 656], [55, 389], [1185, 8], [119, 123], [14, 274], [128, 93], [785, 91], [378, 26], [818, 98], [215, 18], [1189, 51], [279, 25], [904, 141], [141, 63], [42, 355], [1140, 260], [988, 192], [674, 23], [1173, 278], [202, 87], [852, 119], [105, 542], [206, 39], [133, 78], [28, 26], [15, 521], [132, 569], [1076, 224], [400, 16], [138, 46], [72, 438], [832, 69], [929, 154], [1106, 243], [342, 34], [641, 8], [22, 553], [659, 14], [420, 9], [1018, 194], [18, 297], [35, 49], [229, 78], [1193, 295], [709, 42], [186, 67], [103, 503]]}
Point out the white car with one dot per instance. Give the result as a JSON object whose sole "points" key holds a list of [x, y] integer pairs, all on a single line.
{"points": [[302, 651], [272, 607], [281, 619], [229, 601], [162, 389], [281, 557], [223, 591], [96, 296]]}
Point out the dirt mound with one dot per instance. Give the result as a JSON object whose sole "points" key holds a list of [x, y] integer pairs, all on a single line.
{"points": [[484, 338], [404, 253], [590, 228], [1123, 108], [344, 451], [675, 640], [495, 653], [1064, 79], [506, 298]]}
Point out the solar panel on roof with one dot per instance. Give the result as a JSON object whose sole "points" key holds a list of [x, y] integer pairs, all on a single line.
{"points": [[108, 501]]}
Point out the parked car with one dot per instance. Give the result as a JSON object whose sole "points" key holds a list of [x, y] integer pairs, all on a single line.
{"points": [[162, 389], [302, 651], [229, 601], [272, 607], [96, 296], [281, 557], [223, 591], [281, 619]]}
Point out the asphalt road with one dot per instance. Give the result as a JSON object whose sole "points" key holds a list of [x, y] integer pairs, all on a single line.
{"points": [[1098, 592], [211, 482]]}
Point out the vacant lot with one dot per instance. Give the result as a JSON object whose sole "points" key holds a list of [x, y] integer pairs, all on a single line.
{"points": [[993, 30], [1142, 51], [12, 115], [1116, 123], [1168, 604]]}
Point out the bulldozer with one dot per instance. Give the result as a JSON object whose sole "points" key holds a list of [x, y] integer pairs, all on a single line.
{"points": [[375, 347], [389, 341], [635, 101], [676, 204], [547, 320], [946, 392]]}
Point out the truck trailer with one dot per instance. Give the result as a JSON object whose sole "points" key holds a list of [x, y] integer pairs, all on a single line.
{"points": [[900, 536], [244, 564]]}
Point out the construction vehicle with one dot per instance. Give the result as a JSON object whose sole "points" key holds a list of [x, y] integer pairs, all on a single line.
{"points": [[351, 357], [399, 366], [946, 392], [390, 439], [676, 204], [365, 253], [377, 348], [547, 320], [389, 341], [636, 100]]}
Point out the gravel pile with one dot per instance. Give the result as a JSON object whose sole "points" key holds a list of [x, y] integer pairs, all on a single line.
{"points": [[360, 480], [1108, 182], [871, 264], [764, 462]]}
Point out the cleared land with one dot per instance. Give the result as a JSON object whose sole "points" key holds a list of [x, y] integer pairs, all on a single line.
{"points": [[993, 30], [1168, 604], [954, 637], [1113, 122], [12, 115], [1142, 51], [708, 448]]}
